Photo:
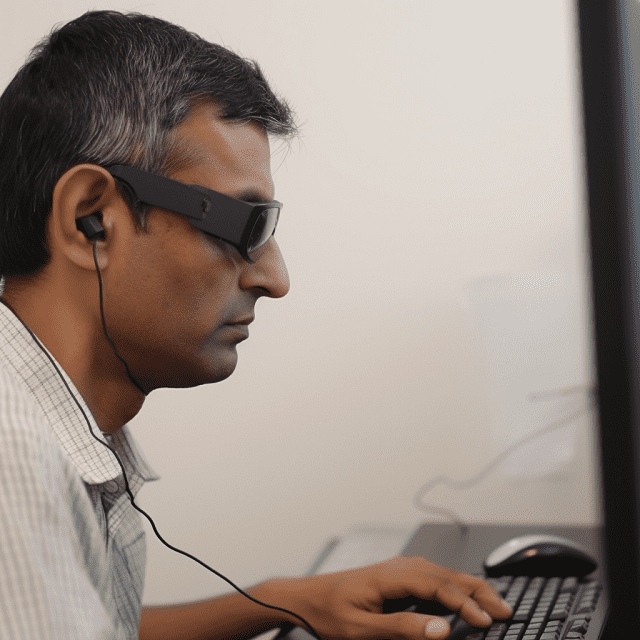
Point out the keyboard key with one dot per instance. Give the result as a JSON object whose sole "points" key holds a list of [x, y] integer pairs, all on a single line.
{"points": [[521, 616], [501, 585], [588, 608], [558, 615], [569, 584], [498, 627], [580, 626], [514, 631]]}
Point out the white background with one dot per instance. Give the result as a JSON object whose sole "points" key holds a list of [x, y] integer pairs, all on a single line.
{"points": [[441, 144]]}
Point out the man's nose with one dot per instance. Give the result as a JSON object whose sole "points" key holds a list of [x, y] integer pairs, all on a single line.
{"points": [[268, 272]]}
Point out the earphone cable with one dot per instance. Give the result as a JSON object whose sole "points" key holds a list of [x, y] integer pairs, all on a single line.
{"points": [[104, 326]]}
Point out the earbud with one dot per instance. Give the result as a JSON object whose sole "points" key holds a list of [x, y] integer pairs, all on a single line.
{"points": [[91, 227]]}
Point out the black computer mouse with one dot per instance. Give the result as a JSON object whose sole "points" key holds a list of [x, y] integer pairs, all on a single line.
{"points": [[539, 555]]}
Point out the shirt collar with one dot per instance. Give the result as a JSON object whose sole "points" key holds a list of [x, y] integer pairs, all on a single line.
{"points": [[60, 404]]}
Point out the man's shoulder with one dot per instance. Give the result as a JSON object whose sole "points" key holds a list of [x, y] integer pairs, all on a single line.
{"points": [[24, 428]]}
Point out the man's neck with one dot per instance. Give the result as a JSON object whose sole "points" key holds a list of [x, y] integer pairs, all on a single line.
{"points": [[81, 349]]}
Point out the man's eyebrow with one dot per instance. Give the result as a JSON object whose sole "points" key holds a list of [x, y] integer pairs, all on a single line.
{"points": [[250, 195]]}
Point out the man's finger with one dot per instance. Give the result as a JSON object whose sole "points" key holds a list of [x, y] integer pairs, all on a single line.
{"points": [[483, 593], [470, 611], [491, 601]]}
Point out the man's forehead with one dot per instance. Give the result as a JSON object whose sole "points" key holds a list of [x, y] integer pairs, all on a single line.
{"points": [[217, 140], [224, 151]]}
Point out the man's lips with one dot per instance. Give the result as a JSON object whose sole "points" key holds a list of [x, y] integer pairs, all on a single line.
{"points": [[239, 328]]}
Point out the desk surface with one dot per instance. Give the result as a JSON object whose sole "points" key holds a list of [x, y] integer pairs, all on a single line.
{"points": [[445, 544]]}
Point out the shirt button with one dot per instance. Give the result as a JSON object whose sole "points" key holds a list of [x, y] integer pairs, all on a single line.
{"points": [[112, 486]]}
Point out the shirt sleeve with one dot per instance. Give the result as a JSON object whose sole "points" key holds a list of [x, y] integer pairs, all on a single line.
{"points": [[50, 546]]}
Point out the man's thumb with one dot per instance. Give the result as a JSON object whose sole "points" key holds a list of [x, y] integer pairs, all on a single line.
{"points": [[407, 625], [436, 628]]}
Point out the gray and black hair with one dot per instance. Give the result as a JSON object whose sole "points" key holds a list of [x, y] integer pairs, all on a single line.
{"points": [[110, 88]]}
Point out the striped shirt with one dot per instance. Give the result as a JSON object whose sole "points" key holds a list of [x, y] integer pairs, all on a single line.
{"points": [[72, 548]]}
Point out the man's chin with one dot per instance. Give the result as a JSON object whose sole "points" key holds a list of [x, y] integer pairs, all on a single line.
{"points": [[210, 371], [218, 368]]}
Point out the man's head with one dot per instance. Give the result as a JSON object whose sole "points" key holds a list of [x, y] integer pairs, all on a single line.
{"points": [[111, 89]]}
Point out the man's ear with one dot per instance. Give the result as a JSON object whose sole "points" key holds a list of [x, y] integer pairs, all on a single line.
{"points": [[80, 191]]}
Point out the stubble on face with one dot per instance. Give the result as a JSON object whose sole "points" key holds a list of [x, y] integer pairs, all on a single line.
{"points": [[189, 286]]}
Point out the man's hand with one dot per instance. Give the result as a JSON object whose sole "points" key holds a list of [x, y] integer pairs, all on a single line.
{"points": [[347, 605]]}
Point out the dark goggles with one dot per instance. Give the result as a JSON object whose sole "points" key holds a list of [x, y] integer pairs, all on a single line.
{"points": [[245, 225]]}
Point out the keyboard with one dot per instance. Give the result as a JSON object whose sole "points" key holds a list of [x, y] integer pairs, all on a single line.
{"points": [[544, 609]]}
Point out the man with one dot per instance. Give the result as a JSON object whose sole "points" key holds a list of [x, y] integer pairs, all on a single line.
{"points": [[93, 322]]}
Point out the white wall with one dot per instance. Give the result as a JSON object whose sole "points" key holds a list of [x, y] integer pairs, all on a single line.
{"points": [[441, 144]]}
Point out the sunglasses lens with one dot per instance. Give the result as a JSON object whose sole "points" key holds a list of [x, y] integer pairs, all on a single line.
{"points": [[263, 228]]}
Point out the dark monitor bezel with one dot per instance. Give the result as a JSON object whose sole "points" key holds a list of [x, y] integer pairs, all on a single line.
{"points": [[606, 42]]}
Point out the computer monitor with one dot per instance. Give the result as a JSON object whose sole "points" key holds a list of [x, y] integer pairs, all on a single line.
{"points": [[609, 36]]}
